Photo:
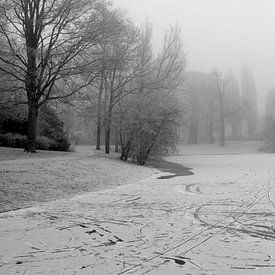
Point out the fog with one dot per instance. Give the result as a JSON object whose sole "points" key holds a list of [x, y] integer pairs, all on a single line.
{"points": [[220, 34]]}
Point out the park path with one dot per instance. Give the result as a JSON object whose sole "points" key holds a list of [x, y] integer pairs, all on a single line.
{"points": [[221, 220]]}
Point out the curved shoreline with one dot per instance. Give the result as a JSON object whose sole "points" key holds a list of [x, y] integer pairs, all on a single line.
{"points": [[175, 169]]}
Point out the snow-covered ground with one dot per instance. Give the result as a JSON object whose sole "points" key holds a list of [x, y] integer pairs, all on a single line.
{"points": [[28, 179], [221, 220]]}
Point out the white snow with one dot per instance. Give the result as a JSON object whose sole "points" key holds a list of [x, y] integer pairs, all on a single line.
{"points": [[221, 220]]}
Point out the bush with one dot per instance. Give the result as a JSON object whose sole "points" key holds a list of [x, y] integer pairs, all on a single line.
{"points": [[13, 140], [13, 120], [42, 143], [49, 124], [19, 141], [61, 144], [15, 125], [50, 130], [3, 140], [148, 130]]}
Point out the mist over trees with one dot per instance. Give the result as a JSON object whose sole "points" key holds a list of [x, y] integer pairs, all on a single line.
{"points": [[97, 71], [249, 94], [269, 121], [213, 104], [149, 125], [91, 56]]}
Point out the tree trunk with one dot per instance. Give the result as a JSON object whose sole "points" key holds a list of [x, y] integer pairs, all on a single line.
{"points": [[98, 132], [108, 122], [107, 138], [222, 132], [140, 158], [125, 150], [116, 142], [193, 131], [211, 138], [235, 126], [222, 124], [31, 88], [32, 122], [211, 132], [108, 130]]}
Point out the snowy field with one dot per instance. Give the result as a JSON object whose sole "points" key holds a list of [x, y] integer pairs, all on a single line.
{"points": [[28, 179], [221, 220]]}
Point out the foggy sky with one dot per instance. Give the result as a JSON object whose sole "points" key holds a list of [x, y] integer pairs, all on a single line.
{"points": [[217, 33]]}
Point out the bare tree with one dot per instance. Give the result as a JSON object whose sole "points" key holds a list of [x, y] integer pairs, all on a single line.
{"points": [[222, 91], [195, 87], [44, 40], [149, 117], [120, 71], [236, 105], [268, 134], [170, 63], [148, 126], [249, 94], [99, 112]]}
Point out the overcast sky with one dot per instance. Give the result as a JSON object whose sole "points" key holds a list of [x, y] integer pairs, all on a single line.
{"points": [[218, 33]]}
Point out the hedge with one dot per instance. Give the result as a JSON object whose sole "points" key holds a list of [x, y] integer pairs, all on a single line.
{"points": [[42, 143]]}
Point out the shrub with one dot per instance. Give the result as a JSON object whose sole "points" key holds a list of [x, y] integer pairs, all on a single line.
{"points": [[15, 125], [61, 144], [13, 120], [13, 140], [3, 140], [19, 141], [49, 124], [44, 143], [149, 129], [50, 130]]}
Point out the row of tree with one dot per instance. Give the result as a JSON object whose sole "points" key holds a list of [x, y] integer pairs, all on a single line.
{"points": [[269, 122], [89, 54], [48, 49], [214, 101], [137, 93]]}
